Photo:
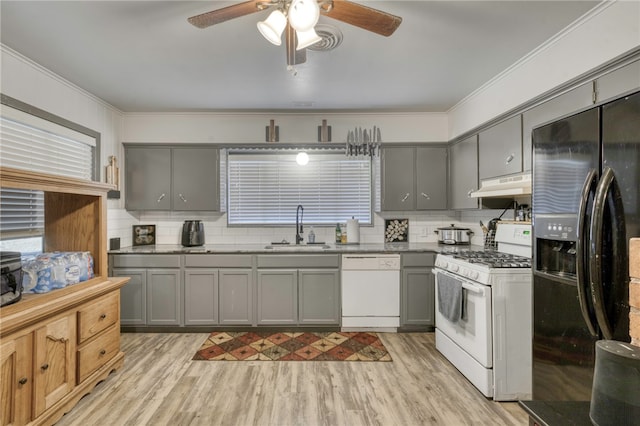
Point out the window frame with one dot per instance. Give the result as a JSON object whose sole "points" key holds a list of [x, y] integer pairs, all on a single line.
{"points": [[334, 149]]}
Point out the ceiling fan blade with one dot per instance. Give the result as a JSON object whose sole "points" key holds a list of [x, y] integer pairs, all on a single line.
{"points": [[207, 19], [294, 57], [363, 17]]}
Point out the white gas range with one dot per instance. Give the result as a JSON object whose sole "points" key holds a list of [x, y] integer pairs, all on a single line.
{"points": [[483, 313]]}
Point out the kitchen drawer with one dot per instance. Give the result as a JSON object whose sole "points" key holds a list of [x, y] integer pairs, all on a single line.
{"points": [[146, 261], [218, 261], [299, 261], [96, 316], [418, 259], [95, 354]]}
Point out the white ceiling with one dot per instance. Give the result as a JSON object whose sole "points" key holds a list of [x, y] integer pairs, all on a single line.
{"points": [[145, 56]]}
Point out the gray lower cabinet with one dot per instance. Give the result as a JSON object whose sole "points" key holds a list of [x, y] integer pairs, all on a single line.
{"points": [[417, 291], [153, 296], [277, 297], [298, 290], [164, 297], [305, 297], [133, 296], [200, 296], [235, 296], [463, 174]]}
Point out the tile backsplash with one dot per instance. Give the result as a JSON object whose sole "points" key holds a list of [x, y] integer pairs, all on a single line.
{"points": [[422, 227]]}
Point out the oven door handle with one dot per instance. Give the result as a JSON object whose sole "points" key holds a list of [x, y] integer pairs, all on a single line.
{"points": [[467, 285]]}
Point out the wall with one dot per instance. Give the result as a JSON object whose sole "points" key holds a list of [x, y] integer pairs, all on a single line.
{"points": [[607, 32]]}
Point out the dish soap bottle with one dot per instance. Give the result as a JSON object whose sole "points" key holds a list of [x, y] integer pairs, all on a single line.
{"points": [[338, 233], [311, 238]]}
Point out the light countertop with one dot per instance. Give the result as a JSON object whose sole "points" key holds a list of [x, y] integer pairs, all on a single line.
{"points": [[315, 249]]}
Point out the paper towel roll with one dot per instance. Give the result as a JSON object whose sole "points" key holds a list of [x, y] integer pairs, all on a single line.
{"points": [[353, 231]]}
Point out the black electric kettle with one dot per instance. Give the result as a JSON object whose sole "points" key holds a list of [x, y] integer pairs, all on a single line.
{"points": [[192, 233]]}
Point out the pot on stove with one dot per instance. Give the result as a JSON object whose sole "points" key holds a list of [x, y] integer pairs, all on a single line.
{"points": [[454, 235]]}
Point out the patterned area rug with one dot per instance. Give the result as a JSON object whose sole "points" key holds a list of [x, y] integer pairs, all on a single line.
{"points": [[296, 346]]}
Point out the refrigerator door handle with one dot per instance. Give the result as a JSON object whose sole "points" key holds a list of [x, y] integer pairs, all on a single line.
{"points": [[582, 252], [596, 248]]}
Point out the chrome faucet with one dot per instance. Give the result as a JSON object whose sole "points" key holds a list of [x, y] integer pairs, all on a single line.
{"points": [[299, 230]]}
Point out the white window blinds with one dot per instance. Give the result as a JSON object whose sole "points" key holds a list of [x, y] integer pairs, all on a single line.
{"points": [[21, 213], [264, 188], [31, 143]]}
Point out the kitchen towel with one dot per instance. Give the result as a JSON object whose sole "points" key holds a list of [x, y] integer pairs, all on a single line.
{"points": [[449, 297], [353, 231]]}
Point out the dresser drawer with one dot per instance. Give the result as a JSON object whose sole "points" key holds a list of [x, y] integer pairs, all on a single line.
{"points": [[98, 315], [95, 354]]}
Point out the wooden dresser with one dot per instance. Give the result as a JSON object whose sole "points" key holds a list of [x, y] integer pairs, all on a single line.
{"points": [[55, 347]]}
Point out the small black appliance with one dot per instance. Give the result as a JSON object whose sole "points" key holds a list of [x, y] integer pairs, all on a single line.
{"points": [[192, 233]]}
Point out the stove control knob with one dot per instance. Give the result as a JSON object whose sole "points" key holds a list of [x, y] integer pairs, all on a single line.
{"points": [[442, 264], [455, 268], [474, 275]]}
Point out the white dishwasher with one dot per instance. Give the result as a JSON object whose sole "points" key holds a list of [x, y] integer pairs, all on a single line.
{"points": [[370, 292]]}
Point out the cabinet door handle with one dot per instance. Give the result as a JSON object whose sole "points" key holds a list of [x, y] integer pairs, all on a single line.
{"points": [[161, 197], [510, 158], [23, 381], [103, 316], [44, 367], [405, 197], [425, 196], [103, 352], [182, 198], [469, 193]]}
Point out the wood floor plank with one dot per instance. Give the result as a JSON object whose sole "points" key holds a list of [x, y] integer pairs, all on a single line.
{"points": [[161, 385]]}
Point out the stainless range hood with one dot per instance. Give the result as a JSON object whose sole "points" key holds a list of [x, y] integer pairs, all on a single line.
{"points": [[504, 187]]}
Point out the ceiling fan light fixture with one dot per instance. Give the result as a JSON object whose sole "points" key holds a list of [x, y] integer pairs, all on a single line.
{"points": [[304, 14], [307, 38], [272, 27]]}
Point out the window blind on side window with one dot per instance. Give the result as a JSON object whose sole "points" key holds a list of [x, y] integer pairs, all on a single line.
{"points": [[28, 146], [265, 188], [21, 213]]}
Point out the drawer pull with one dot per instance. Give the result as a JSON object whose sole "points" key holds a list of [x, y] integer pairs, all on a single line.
{"points": [[103, 352], [44, 367], [23, 381], [103, 316]]}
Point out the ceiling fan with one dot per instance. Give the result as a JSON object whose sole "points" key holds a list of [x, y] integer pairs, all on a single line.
{"points": [[296, 18]]}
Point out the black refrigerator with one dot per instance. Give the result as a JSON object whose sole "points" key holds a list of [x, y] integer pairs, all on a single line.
{"points": [[586, 207]]}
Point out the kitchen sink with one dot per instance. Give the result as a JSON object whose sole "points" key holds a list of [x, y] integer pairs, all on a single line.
{"points": [[300, 247]]}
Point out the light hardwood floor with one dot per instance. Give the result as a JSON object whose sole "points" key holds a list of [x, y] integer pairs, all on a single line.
{"points": [[160, 385]]}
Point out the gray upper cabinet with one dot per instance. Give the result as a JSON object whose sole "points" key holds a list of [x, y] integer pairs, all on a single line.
{"points": [[463, 173], [196, 184], [500, 149], [618, 82], [414, 178], [172, 178], [578, 98], [431, 182], [147, 178], [398, 179]]}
